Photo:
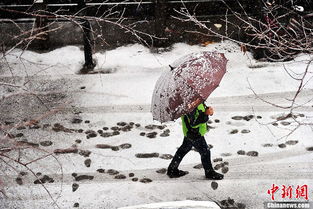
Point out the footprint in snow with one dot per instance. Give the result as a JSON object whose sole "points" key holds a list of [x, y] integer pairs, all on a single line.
{"points": [[162, 171], [166, 156], [74, 187], [147, 155], [199, 166], [267, 145], [83, 177], [112, 172], [120, 176], [253, 153], [214, 185], [87, 162], [241, 152], [145, 180], [309, 149], [282, 145], [291, 142]]}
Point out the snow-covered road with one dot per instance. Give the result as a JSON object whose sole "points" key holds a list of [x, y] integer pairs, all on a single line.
{"points": [[106, 120]]}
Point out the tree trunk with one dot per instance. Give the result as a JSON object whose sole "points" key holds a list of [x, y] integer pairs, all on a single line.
{"points": [[87, 39]]}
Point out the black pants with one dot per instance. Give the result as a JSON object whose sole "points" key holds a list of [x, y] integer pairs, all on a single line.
{"points": [[201, 146]]}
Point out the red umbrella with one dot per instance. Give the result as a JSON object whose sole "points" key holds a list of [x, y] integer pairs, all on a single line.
{"points": [[181, 89]]}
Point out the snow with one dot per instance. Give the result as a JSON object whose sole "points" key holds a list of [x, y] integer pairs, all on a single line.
{"points": [[122, 91], [178, 204]]}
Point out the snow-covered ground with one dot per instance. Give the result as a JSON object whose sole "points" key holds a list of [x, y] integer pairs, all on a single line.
{"points": [[119, 96]]}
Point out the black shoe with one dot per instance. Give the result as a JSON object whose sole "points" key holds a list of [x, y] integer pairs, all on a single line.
{"points": [[213, 175], [176, 173]]}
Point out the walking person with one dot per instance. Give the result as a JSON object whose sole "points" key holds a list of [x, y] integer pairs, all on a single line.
{"points": [[194, 129]]}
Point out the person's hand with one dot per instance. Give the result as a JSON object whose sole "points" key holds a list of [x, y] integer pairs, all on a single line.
{"points": [[209, 111]]}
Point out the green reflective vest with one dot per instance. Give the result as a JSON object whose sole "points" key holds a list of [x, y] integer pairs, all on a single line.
{"points": [[202, 126]]}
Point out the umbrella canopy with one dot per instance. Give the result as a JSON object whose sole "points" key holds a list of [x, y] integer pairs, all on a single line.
{"points": [[183, 87]]}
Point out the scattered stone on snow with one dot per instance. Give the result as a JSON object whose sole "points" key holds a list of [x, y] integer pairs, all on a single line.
{"points": [[76, 205], [87, 121], [142, 134], [275, 124], [74, 174], [135, 179], [131, 174], [105, 128], [217, 121]]}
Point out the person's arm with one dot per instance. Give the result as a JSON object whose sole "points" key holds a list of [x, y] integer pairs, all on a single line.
{"points": [[202, 118]]}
